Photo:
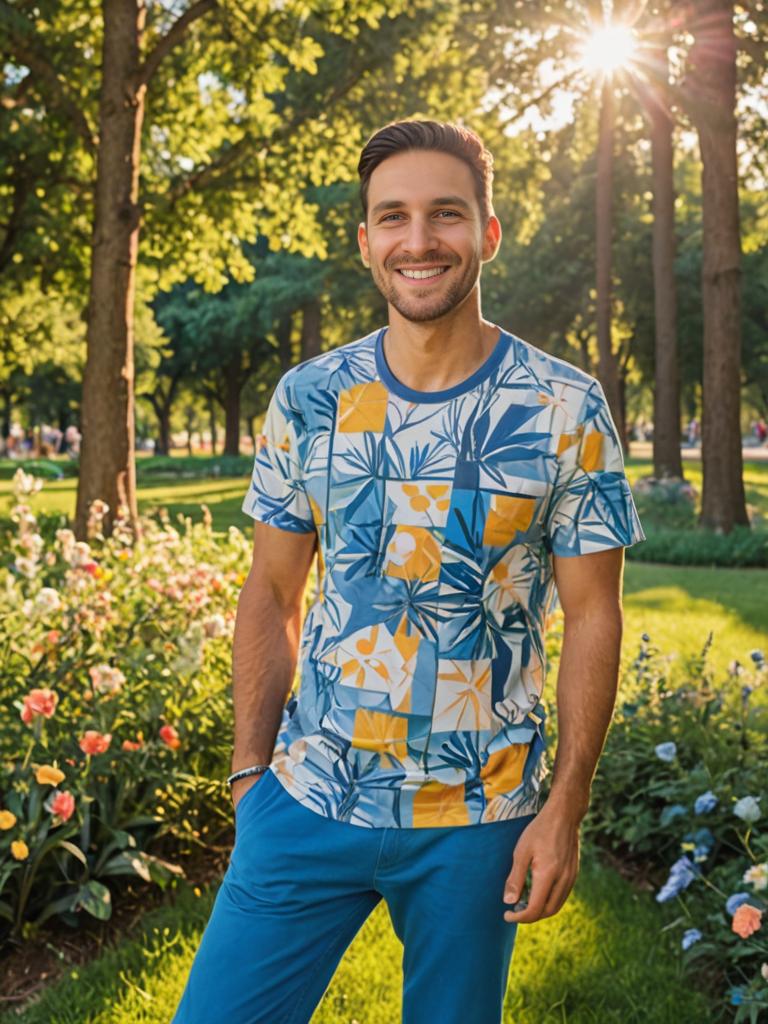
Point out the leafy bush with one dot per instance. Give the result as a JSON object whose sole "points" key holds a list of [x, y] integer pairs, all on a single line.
{"points": [[695, 546], [115, 680], [195, 467], [679, 784]]}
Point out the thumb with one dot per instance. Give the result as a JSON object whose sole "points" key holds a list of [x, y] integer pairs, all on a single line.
{"points": [[517, 875]]}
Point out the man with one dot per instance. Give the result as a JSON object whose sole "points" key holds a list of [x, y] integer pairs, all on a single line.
{"points": [[447, 474]]}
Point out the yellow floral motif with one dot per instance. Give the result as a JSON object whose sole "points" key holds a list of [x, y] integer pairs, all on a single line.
{"points": [[566, 441], [376, 730], [503, 770], [437, 803], [591, 456], [506, 516], [413, 553], [363, 407], [19, 849], [436, 493], [7, 820], [463, 696]]}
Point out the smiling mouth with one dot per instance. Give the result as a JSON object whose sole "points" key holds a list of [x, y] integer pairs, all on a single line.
{"points": [[421, 275]]}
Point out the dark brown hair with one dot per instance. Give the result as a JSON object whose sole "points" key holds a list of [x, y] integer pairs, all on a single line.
{"points": [[401, 136]]}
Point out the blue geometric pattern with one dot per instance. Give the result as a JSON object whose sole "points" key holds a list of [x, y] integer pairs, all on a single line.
{"points": [[422, 658]]}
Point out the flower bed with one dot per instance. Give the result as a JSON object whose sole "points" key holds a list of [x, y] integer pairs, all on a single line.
{"points": [[116, 686], [682, 785]]}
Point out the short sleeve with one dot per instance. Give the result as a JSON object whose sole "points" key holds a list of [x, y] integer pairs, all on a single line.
{"points": [[591, 507], [277, 495]]}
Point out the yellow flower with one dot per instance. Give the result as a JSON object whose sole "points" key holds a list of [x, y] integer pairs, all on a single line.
{"points": [[7, 819], [19, 849], [47, 775]]}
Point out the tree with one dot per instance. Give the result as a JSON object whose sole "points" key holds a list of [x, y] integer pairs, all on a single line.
{"points": [[711, 84]]}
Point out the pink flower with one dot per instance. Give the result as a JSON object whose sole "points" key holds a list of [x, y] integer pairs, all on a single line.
{"points": [[39, 702], [746, 920], [94, 742], [169, 735], [63, 804]]}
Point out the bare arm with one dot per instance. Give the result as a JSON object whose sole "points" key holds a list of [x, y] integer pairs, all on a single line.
{"points": [[589, 587], [266, 641]]}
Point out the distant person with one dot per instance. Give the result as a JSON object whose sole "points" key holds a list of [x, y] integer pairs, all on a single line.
{"points": [[761, 431], [693, 432], [447, 473], [72, 439]]}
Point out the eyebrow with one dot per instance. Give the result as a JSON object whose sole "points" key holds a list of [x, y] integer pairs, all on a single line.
{"points": [[396, 204]]}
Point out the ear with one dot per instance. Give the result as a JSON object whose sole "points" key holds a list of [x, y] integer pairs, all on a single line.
{"points": [[491, 238], [362, 241]]}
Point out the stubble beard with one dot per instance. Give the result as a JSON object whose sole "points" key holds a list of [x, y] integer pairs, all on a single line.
{"points": [[418, 310]]}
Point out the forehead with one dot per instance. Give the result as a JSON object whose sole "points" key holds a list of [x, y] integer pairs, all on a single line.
{"points": [[418, 177]]}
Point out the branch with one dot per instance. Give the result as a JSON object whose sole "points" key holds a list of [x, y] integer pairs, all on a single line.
{"points": [[172, 37], [39, 63]]}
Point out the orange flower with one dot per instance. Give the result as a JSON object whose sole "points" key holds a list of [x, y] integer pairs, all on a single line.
{"points": [[94, 742], [19, 849], [47, 775], [7, 819], [169, 735], [53, 636], [130, 745], [39, 702], [63, 805], [746, 920]]}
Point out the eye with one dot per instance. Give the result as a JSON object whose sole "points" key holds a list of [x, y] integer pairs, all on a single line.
{"points": [[453, 213], [388, 216]]}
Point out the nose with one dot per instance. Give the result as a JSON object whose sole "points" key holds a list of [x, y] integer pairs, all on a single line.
{"points": [[420, 236]]}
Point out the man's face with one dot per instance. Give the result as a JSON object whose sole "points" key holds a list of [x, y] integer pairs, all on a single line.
{"points": [[423, 216]]}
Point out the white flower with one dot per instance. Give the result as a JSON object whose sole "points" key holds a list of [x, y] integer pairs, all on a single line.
{"points": [[26, 483], [747, 808], [666, 751], [26, 566], [47, 601], [106, 678], [80, 554], [757, 875], [215, 626]]}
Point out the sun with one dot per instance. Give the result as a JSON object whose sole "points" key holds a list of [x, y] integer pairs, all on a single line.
{"points": [[608, 49]]}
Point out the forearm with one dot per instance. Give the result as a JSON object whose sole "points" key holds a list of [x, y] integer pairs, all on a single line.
{"points": [[587, 683], [264, 653]]}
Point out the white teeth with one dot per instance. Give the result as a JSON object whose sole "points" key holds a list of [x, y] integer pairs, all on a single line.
{"points": [[420, 274]]}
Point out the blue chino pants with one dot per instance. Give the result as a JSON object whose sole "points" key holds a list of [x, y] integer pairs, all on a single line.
{"points": [[299, 887]]}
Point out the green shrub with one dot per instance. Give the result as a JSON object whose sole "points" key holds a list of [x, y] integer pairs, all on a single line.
{"points": [[115, 684]]}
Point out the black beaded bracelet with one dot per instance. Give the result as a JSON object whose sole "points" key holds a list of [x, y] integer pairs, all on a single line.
{"points": [[244, 772]]}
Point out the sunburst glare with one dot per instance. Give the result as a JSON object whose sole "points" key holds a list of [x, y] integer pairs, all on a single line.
{"points": [[608, 49]]}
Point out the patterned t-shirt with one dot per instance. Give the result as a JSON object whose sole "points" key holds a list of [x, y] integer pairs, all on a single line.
{"points": [[422, 658]]}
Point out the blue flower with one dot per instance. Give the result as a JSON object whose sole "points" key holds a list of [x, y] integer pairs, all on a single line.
{"points": [[745, 692], [691, 936], [666, 751], [705, 803], [671, 812], [681, 874], [757, 656], [733, 902], [747, 808], [645, 638], [737, 996]]}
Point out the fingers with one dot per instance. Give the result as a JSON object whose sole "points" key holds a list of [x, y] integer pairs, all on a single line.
{"points": [[548, 894]]}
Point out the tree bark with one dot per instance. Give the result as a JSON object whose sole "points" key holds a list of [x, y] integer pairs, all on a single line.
{"points": [[311, 335], [712, 88], [233, 385], [107, 463], [667, 458], [608, 369]]}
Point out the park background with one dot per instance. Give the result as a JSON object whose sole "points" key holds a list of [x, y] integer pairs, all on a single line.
{"points": [[178, 210]]}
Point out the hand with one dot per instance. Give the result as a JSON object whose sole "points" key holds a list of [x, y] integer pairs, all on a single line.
{"points": [[241, 787], [550, 845]]}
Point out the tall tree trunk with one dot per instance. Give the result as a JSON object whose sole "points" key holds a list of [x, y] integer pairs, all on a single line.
{"points": [[212, 419], [667, 457], [284, 331], [107, 457], [311, 336], [712, 88], [608, 369], [233, 384]]}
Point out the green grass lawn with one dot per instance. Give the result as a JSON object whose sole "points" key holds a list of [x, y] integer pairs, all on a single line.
{"points": [[601, 959]]}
